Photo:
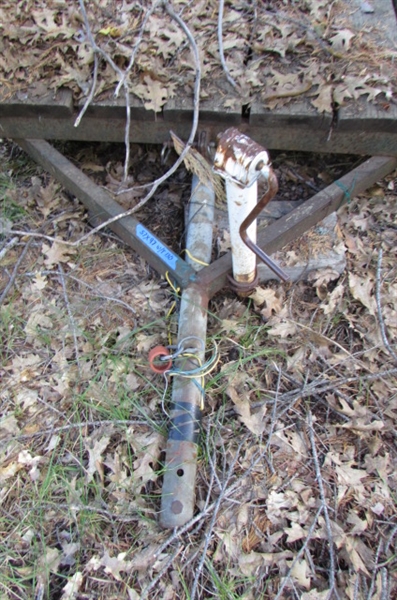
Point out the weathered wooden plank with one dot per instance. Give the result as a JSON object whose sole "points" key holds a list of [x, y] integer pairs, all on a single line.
{"points": [[303, 138], [102, 207], [381, 23], [115, 108], [363, 116], [291, 226], [297, 114], [22, 104], [380, 28], [91, 129], [213, 109]]}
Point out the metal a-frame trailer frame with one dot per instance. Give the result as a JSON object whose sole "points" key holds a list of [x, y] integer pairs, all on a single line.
{"points": [[198, 286]]}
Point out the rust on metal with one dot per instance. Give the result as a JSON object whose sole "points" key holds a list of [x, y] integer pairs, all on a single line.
{"points": [[239, 158], [271, 192], [243, 288]]}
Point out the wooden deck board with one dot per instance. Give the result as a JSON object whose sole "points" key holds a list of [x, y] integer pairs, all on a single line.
{"points": [[358, 127]]}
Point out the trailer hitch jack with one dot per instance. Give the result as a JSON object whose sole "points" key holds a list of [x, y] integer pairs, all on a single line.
{"points": [[241, 161]]}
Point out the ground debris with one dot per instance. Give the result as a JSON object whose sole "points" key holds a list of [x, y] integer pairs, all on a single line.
{"points": [[297, 472]]}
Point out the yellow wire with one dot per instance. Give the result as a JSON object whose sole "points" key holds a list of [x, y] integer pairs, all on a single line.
{"points": [[172, 307], [175, 289], [194, 259]]}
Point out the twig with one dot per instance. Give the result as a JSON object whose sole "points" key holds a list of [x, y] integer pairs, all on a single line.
{"points": [[15, 272], [322, 387], [93, 43], [98, 50], [301, 551], [99, 511], [179, 161], [375, 569], [91, 95], [98, 293], [196, 104], [384, 577], [274, 417], [356, 586], [160, 574], [220, 45], [379, 307], [389, 539], [13, 242], [53, 430], [71, 318], [217, 506], [136, 47], [324, 507]]}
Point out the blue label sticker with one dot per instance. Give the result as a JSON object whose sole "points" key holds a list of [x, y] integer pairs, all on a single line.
{"points": [[156, 246]]}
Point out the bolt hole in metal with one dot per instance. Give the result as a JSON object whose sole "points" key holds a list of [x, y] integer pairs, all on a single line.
{"points": [[180, 472]]}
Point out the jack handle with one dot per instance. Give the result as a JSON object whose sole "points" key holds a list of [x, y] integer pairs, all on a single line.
{"points": [[271, 192]]}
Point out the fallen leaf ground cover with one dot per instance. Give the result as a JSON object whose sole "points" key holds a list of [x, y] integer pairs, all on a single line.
{"points": [[273, 53], [296, 491]]}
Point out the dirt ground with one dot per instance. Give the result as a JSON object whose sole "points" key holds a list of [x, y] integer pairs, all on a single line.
{"points": [[296, 489]]}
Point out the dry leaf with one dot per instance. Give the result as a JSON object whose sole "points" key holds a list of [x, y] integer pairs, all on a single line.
{"points": [[95, 456], [152, 92], [49, 562], [113, 565], [72, 588], [361, 289], [300, 572], [324, 100], [350, 476], [254, 421], [57, 253], [273, 301], [39, 282], [341, 41], [9, 471], [294, 533], [147, 447], [334, 300]]}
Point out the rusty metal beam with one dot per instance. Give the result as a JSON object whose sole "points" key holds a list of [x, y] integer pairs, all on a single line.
{"points": [[102, 207], [214, 277]]}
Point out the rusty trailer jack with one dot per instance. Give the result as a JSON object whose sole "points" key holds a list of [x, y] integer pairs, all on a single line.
{"points": [[200, 285]]}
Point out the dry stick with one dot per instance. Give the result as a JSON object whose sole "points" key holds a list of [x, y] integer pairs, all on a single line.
{"points": [[158, 577], [389, 539], [90, 96], [356, 586], [196, 104], [98, 293], [379, 306], [15, 272], [97, 50], [274, 417], [13, 242], [320, 388], [155, 184], [375, 569], [101, 511], [136, 47], [385, 584], [71, 317], [324, 507], [217, 506], [53, 430], [301, 551], [220, 45]]}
